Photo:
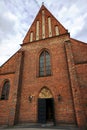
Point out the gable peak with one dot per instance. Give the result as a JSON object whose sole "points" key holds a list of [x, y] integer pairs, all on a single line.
{"points": [[44, 26]]}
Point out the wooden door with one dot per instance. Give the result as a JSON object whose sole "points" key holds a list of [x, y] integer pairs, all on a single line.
{"points": [[41, 110]]}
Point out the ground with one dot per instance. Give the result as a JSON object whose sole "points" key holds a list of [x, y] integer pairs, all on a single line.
{"points": [[38, 129]]}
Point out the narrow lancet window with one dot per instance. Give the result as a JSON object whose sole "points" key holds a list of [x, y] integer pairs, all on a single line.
{"points": [[5, 91], [44, 64]]}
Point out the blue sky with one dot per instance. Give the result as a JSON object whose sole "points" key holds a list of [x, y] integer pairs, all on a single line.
{"points": [[16, 16]]}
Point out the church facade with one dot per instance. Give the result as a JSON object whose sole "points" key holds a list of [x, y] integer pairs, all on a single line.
{"points": [[46, 80]]}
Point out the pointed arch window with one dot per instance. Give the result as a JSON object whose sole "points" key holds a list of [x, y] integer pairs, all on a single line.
{"points": [[44, 64], [5, 91]]}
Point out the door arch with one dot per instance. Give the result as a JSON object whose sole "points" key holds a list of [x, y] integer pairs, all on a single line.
{"points": [[45, 93], [45, 106]]}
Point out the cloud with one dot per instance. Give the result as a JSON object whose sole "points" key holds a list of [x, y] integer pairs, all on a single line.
{"points": [[15, 19], [72, 18], [82, 34], [74, 21], [72, 15], [16, 16], [6, 23]]}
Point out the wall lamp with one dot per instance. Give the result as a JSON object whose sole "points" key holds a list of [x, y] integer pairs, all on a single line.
{"points": [[59, 97], [30, 98]]}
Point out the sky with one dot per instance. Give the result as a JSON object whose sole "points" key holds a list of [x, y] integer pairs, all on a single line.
{"points": [[16, 17]]}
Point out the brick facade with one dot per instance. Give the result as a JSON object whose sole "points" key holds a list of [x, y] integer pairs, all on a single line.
{"points": [[68, 77]]}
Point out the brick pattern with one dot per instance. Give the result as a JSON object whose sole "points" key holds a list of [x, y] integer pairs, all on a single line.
{"points": [[5, 104], [8, 107], [58, 83], [82, 78], [10, 65], [79, 51], [80, 115]]}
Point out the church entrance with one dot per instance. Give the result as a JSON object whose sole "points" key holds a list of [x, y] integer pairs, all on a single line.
{"points": [[45, 106]]}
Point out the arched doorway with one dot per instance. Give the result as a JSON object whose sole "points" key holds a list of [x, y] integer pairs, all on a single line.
{"points": [[45, 106]]}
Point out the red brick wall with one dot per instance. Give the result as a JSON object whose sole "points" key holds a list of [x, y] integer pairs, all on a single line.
{"points": [[80, 57], [58, 83], [27, 79], [5, 105], [7, 71], [9, 65], [11, 71], [79, 51], [82, 79]]}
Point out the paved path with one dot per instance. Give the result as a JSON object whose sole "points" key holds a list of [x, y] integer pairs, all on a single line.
{"points": [[37, 129], [41, 128], [27, 129]]}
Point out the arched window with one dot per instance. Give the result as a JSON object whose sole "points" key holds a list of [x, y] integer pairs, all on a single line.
{"points": [[44, 64], [5, 90]]}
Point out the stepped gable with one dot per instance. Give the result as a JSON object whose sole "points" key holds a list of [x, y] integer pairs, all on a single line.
{"points": [[44, 26]]}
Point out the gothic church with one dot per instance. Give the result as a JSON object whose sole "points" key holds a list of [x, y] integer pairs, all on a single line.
{"points": [[46, 80]]}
